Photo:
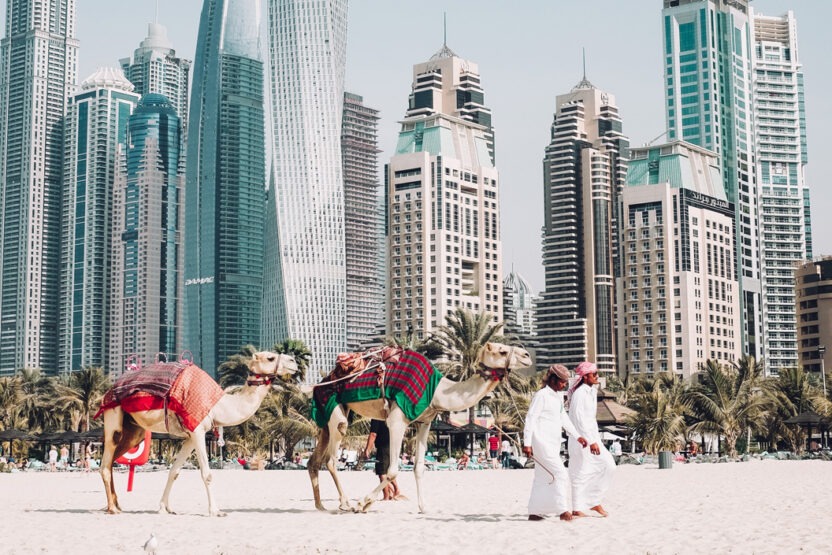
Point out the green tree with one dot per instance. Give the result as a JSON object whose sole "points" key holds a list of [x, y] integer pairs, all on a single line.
{"points": [[82, 395], [10, 395], [36, 394], [234, 371], [301, 352], [788, 395], [659, 420], [728, 400]]}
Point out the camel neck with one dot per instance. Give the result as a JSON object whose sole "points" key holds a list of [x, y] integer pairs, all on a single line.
{"points": [[457, 396], [234, 408]]}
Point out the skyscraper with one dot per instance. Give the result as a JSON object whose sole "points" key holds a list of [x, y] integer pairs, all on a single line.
{"points": [[363, 222], [584, 169], [448, 84], [813, 294], [226, 184], [678, 291], [443, 229], [146, 298], [38, 73], [708, 78], [95, 132], [519, 308], [155, 68], [304, 287], [780, 141]]}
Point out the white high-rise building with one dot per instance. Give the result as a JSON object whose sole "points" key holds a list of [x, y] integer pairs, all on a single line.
{"points": [[155, 68], [304, 288], [780, 140], [443, 227], [678, 294], [95, 130], [38, 74], [708, 91]]}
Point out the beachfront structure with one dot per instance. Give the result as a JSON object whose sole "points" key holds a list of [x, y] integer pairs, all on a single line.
{"points": [[225, 185], [155, 68], [781, 155], [518, 307], [584, 169], [304, 287], [38, 74], [363, 223], [707, 62], [95, 131], [146, 286], [813, 297], [443, 227], [678, 294], [448, 84]]}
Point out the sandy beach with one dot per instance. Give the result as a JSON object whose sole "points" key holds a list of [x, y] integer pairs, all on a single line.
{"points": [[757, 506]]}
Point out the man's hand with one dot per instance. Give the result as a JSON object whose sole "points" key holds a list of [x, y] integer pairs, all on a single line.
{"points": [[527, 451], [365, 455], [594, 449], [582, 441]]}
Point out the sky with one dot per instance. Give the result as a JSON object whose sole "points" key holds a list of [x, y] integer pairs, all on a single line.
{"points": [[528, 53]]}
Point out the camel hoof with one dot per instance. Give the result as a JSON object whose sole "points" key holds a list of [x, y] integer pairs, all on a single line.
{"points": [[364, 505], [113, 510], [164, 510], [345, 507], [219, 514]]}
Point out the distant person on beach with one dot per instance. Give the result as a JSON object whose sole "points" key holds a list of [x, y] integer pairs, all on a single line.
{"points": [[380, 438], [53, 459], [64, 457], [590, 468], [542, 438], [506, 452], [493, 446]]}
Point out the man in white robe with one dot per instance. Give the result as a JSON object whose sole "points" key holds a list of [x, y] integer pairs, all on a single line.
{"points": [[590, 468], [542, 438]]}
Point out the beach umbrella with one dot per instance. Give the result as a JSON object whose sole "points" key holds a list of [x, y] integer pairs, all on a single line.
{"points": [[609, 411], [473, 430], [11, 435]]}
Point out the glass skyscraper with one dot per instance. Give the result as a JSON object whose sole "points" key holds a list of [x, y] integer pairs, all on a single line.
{"points": [[364, 223], [95, 131], [38, 73], [780, 141], [146, 298], [226, 185], [708, 91], [304, 277], [584, 169]]}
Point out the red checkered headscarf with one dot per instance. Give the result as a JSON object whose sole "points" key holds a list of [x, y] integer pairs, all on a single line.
{"points": [[582, 370]]}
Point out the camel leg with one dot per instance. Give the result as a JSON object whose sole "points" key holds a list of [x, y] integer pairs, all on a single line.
{"points": [[131, 435], [419, 466], [112, 433], [397, 424], [338, 429], [182, 456], [313, 466], [205, 470]]}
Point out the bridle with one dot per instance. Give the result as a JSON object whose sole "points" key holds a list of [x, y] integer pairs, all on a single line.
{"points": [[259, 379], [496, 374]]}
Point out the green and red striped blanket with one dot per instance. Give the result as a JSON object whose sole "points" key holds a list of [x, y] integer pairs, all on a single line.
{"points": [[410, 382]]}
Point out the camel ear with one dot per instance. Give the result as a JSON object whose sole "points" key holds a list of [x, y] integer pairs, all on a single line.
{"points": [[489, 347]]}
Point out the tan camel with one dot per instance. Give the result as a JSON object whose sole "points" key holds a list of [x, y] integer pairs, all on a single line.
{"points": [[123, 431], [494, 361]]}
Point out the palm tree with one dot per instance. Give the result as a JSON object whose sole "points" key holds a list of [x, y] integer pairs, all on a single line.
{"points": [[659, 420], [298, 349], [788, 395], [429, 347], [728, 400], [290, 417], [36, 394], [9, 401], [82, 395]]}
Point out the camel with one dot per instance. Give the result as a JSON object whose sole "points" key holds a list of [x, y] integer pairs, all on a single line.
{"points": [[494, 362], [123, 431]]}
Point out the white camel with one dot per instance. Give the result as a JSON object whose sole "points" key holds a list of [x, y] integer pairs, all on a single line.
{"points": [[494, 362], [123, 431]]}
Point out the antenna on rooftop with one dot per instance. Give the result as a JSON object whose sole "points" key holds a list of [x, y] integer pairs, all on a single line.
{"points": [[584, 56], [445, 24], [157, 13]]}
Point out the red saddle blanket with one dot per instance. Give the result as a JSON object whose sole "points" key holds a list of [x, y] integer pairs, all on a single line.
{"points": [[189, 392]]}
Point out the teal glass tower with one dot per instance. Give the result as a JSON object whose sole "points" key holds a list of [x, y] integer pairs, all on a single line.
{"points": [[225, 186], [146, 299], [708, 90]]}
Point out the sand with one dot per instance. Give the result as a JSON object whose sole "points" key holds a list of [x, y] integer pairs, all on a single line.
{"points": [[756, 506]]}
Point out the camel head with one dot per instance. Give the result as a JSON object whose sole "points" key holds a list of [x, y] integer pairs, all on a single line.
{"points": [[496, 360], [267, 364]]}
